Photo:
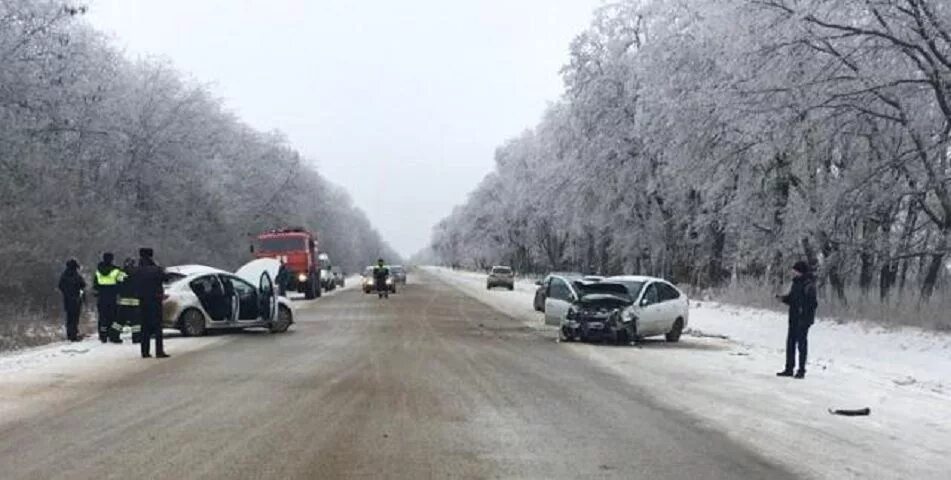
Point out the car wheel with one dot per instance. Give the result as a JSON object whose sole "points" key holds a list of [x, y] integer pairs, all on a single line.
{"points": [[511, 287], [283, 322], [193, 323], [674, 334]]}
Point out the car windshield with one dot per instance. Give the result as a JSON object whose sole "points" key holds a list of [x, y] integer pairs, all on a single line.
{"points": [[502, 270], [281, 244], [633, 287], [602, 288], [396, 269]]}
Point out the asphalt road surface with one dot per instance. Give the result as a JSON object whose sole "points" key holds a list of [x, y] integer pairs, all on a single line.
{"points": [[428, 384]]}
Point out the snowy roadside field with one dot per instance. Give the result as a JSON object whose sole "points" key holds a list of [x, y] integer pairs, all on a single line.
{"points": [[723, 372], [35, 378]]}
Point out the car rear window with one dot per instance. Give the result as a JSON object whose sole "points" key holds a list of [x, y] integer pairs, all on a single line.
{"points": [[502, 270]]}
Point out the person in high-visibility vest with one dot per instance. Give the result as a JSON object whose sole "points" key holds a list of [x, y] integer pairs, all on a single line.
{"points": [[106, 285], [129, 301]]}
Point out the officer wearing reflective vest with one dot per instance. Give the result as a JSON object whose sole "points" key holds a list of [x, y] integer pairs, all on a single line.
{"points": [[106, 285], [129, 301]]}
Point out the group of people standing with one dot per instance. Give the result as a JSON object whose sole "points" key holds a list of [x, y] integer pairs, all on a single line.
{"points": [[128, 296]]}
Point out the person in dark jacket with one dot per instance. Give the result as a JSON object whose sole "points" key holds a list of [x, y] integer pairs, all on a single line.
{"points": [[106, 284], [129, 301], [282, 279], [72, 286], [802, 313], [380, 275], [149, 280]]}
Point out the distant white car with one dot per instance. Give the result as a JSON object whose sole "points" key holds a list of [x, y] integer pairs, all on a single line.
{"points": [[200, 298]]}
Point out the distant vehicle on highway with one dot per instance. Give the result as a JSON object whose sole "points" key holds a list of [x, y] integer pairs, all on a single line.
{"points": [[542, 291], [297, 247], [369, 283], [326, 275], [339, 276], [399, 274], [500, 276], [200, 298]]}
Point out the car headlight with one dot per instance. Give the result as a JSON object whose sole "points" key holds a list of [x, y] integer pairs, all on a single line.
{"points": [[628, 315], [302, 277], [389, 280], [369, 281]]}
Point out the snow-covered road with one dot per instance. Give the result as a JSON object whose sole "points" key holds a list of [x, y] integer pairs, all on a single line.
{"points": [[722, 373], [35, 378]]}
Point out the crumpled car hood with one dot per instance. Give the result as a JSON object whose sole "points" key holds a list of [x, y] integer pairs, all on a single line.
{"points": [[604, 300]]}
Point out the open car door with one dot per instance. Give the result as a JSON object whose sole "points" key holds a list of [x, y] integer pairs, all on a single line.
{"points": [[262, 272]]}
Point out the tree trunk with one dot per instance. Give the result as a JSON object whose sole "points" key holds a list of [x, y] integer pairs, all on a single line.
{"points": [[936, 264]]}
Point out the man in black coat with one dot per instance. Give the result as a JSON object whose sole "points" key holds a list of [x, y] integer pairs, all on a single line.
{"points": [[149, 281], [72, 285], [802, 313], [129, 301]]}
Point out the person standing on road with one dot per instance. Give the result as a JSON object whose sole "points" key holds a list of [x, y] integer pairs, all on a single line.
{"points": [[129, 302], [282, 279], [380, 274], [802, 313], [149, 281], [72, 286], [106, 285]]}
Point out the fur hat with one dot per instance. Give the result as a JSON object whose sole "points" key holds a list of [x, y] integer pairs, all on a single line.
{"points": [[801, 267]]}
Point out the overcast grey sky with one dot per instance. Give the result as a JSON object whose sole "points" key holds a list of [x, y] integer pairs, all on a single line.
{"points": [[400, 102]]}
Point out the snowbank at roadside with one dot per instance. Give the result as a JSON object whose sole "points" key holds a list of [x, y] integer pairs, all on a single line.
{"points": [[722, 373], [32, 378]]}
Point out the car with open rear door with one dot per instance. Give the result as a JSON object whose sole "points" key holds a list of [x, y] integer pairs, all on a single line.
{"points": [[200, 298]]}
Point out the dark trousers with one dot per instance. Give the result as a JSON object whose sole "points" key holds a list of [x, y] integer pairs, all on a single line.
{"points": [[797, 338], [151, 316], [108, 314], [73, 307], [129, 315]]}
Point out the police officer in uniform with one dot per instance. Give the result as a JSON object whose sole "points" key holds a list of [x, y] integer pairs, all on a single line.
{"points": [[149, 286], [129, 301], [106, 285], [71, 284]]}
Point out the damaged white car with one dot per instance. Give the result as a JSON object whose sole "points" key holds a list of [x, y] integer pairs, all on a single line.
{"points": [[200, 298]]}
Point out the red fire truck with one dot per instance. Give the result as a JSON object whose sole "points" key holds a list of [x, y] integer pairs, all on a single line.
{"points": [[297, 248]]}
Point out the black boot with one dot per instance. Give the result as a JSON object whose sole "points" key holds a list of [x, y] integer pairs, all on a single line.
{"points": [[801, 374], [784, 373]]}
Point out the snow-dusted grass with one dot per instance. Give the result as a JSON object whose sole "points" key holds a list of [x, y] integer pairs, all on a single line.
{"points": [[722, 374], [906, 310], [23, 326]]}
